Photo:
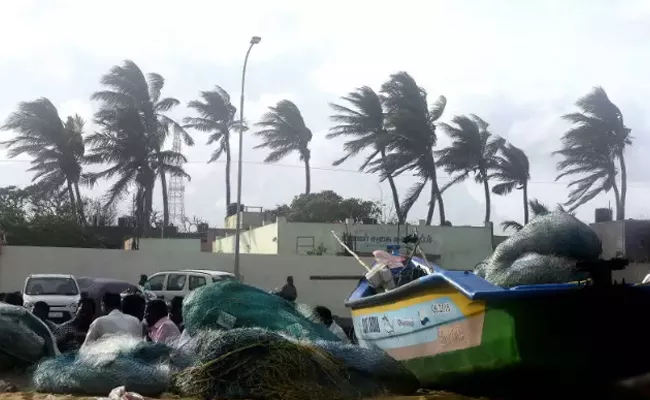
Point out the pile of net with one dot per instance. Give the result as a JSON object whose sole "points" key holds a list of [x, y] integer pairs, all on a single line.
{"points": [[24, 339], [98, 368], [232, 304], [546, 250], [253, 363]]}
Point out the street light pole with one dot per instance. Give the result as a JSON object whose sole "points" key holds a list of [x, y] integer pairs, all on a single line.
{"points": [[254, 40]]}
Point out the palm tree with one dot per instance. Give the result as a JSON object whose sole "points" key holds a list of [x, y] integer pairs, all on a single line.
{"points": [[363, 120], [413, 130], [127, 88], [512, 169], [473, 151], [537, 208], [591, 148], [283, 132], [57, 148], [217, 117], [133, 150]]}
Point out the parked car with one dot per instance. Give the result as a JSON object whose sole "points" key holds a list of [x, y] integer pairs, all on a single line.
{"points": [[61, 292], [168, 284]]}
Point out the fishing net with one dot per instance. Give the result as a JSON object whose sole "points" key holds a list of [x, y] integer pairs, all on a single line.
{"points": [[372, 371], [24, 339], [231, 304], [113, 361], [252, 363], [544, 251]]}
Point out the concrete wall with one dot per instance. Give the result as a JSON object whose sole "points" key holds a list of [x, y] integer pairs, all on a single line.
{"points": [[264, 271], [612, 235], [459, 247], [170, 245], [262, 240]]}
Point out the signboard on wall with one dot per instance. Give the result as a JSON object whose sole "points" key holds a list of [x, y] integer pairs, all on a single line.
{"points": [[368, 238]]}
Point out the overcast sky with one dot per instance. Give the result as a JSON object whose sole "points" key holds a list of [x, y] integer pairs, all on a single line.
{"points": [[519, 65]]}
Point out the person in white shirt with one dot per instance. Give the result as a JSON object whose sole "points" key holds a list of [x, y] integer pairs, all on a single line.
{"points": [[113, 322], [326, 317]]}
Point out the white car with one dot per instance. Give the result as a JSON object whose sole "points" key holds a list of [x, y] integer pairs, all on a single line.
{"points": [[61, 292], [168, 284]]}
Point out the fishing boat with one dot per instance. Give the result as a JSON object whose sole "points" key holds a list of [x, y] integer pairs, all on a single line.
{"points": [[453, 329]]}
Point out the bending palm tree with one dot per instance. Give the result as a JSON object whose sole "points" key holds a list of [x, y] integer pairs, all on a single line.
{"points": [[413, 129], [591, 147], [473, 151], [128, 88], [283, 132], [217, 117], [57, 148], [363, 120], [134, 158], [512, 169]]}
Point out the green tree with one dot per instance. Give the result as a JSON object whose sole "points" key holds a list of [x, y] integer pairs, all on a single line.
{"points": [[56, 147], [473, 151], [591, 149], [216, 117], [283, 131], [134, 130], [512, 170], [362, 119], [327, 206], [412, 125]]}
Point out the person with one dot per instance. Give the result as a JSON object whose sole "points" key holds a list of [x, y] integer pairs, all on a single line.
{"points": [[14, 299], [71, 334], [161, 328], [142, 281], [134, 304], [113, 322], [176, 312], [289, 291], [41, 310], [325, 316]]}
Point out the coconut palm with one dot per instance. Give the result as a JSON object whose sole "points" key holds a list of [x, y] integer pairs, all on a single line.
{"points": [[473, 151], [216, 117], [284, 132], [591, 148], [128, 90], [512, 170], [536, 208], [413, 130], [363, 121], [57, 148]]}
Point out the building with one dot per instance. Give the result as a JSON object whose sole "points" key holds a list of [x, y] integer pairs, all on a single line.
{"points": [[454, 247]]}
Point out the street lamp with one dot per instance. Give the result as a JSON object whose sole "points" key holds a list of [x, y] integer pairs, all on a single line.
{"points": [[254, 40]]}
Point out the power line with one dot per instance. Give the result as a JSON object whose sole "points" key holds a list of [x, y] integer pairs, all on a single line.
{"points": [[329, 169]]}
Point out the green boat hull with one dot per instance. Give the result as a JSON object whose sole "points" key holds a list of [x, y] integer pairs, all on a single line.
{"points": [[575, 338]]}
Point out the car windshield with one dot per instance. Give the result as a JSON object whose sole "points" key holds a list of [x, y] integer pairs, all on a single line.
{"points": [[51, 286]]}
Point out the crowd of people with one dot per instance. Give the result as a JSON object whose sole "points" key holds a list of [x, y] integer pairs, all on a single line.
{"points": [[132, 315]]}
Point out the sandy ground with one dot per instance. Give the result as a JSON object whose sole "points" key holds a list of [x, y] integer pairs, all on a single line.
{"points": [[40, 396]]}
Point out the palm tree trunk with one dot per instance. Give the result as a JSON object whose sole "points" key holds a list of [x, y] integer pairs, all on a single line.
{"points": [[432, 203], [486, 189], [73, 200], [441, 209], [393, 189], [165, 199], [228, 160], [620, 210], [525, 190], [82, 214], [617, 200], [307, 176]]}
